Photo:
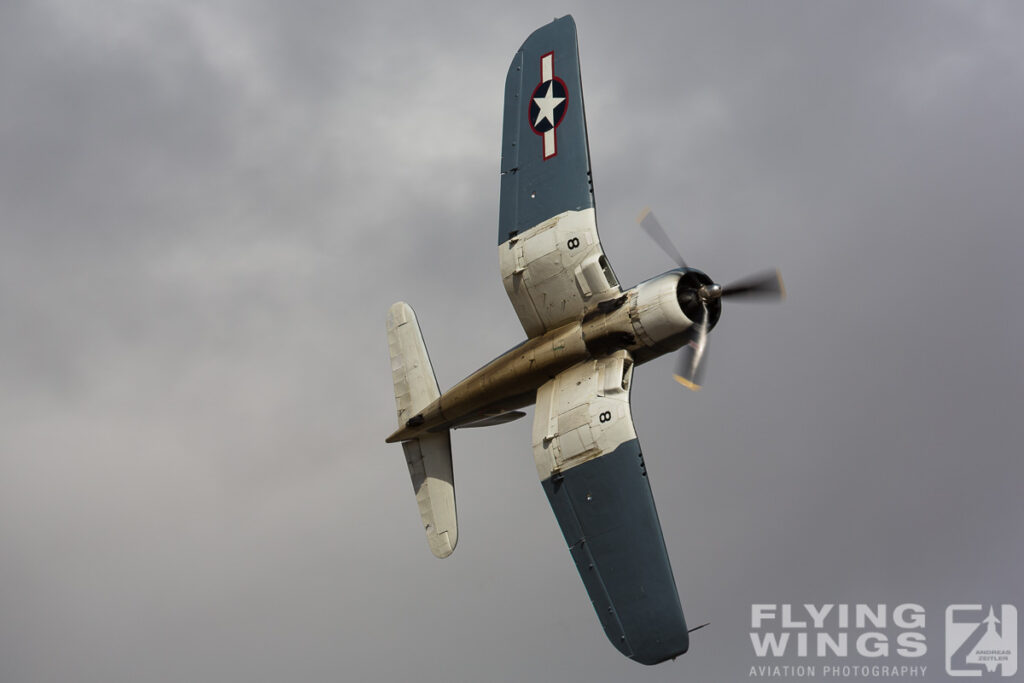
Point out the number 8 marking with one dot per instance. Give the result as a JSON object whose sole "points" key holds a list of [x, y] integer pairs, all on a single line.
{"points": [[573, 243], [606, 416]]}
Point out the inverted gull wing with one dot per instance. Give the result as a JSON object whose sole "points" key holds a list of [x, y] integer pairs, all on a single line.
{"points": [[552, 263], [593, 472]]}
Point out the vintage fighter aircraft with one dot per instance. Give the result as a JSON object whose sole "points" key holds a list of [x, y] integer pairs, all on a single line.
{"points": [[585, 335]]}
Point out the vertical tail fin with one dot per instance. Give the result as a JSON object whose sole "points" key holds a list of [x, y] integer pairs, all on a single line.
{"points": [[429, 457]]}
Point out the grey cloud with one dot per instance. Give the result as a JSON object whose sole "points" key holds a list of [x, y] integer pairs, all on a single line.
{"points": [[208, 208]]}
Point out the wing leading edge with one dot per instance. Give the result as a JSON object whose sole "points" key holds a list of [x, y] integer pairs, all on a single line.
{"points": [[552, 263], [592, 470]]}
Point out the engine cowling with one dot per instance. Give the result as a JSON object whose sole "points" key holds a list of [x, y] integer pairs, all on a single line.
{"points": [[658, 314], [669, 305]]}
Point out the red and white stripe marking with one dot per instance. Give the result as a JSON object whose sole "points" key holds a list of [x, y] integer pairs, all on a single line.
{"points": [[547, 73]]}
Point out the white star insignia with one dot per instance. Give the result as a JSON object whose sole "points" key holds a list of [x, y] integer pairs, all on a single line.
{"points": [[547, 105]]}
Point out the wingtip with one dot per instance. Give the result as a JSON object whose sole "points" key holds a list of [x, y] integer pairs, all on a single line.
{"points": [[643, 214]]}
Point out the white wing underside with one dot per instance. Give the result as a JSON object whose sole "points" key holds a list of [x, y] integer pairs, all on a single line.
{"points": [[583, 413], [556, 271]]}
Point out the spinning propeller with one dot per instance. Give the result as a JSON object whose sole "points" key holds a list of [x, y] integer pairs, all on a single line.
{"points": [[701, 298]]}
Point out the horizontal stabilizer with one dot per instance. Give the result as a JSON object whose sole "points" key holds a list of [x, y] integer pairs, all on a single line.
{"points": [[415, 384], [430, 466], [429, 457]]}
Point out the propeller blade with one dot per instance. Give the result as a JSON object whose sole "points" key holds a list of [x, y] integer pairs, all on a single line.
{"points": [[691, 371], [654, 230], [766, 285]]}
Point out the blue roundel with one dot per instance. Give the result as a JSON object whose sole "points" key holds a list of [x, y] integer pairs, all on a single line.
{"points": [[547, 105]]}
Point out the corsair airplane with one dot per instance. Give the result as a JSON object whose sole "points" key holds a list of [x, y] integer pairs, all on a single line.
{"points": [[585, 335]]}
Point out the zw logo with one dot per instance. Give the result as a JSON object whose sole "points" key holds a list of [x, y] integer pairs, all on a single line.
{"points": [[606, 416], [573, 243], [980, 640]]}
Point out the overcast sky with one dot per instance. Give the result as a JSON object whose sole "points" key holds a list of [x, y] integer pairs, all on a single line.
{"points": [[206, 209]]}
